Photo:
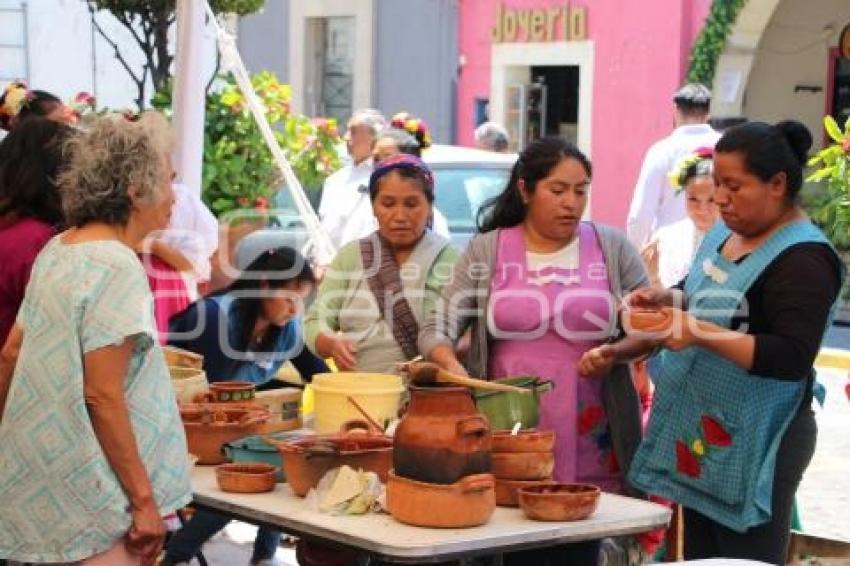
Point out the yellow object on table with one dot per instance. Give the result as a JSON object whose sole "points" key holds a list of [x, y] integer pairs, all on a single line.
{"points": [[308, 403]]}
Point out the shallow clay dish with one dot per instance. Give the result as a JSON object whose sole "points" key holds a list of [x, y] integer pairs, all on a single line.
{"points": [[246, 477], [559, 502], [647, 321], [529, 440], [507, 491], [210, 426], [468, 502], [522, 465]]}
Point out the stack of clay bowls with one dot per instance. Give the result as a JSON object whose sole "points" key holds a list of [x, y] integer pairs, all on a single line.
{"points": [[524, 459]]}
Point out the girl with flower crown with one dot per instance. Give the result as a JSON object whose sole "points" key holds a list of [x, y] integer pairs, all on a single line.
{"points": [[670, 252], [17, 103]]}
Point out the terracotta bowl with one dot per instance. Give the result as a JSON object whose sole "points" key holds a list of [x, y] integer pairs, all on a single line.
{"points": [[209, 426], [246, 477], [232, 391], [523, 465], [647, 321], [507, 490], [559, 502], [305, 461], [468, 502], [524, 441]]}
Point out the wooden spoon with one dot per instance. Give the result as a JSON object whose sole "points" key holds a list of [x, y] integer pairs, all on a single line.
{"points": [[427, 373]]}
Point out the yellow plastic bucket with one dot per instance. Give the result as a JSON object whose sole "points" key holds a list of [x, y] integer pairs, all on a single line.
{"points": [[377, 393]]}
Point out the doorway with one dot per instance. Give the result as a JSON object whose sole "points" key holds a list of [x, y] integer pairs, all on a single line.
{"points": [[562, 94]]}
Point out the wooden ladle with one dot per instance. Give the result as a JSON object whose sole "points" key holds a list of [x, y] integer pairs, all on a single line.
{"points": [[427, 373]]}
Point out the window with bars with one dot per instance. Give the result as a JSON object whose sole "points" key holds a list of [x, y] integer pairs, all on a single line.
{"points": [[13, 43]]}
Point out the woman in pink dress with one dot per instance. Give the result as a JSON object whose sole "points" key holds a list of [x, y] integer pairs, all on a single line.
{"points": [[30, 157], [540, 289]]}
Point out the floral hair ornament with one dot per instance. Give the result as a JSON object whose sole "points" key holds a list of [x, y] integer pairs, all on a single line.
{"points": [[697, 164], [83, 104], [414, 126], [15, 96], [401, 161]]}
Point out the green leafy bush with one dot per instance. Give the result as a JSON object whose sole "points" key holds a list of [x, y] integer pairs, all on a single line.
{"points": [[239, 172]]}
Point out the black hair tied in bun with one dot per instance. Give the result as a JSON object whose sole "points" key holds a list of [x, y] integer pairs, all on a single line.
{"points": [[768, 150]]}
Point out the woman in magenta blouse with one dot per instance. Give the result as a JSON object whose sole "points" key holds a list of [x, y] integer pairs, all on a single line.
{"points": [[30, 157]]}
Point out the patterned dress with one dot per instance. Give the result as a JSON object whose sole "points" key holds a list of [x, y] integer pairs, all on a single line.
{"points": [[61, 500]]}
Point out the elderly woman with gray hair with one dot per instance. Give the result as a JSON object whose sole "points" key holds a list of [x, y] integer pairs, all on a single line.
{"points": [[92, 450], [491, 136]]}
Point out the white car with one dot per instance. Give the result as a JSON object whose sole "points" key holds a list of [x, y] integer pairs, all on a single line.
{"points": [[464, 179]]}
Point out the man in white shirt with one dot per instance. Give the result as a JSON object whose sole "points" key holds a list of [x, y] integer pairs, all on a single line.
{"points": [[345, 211], [655, 203]]}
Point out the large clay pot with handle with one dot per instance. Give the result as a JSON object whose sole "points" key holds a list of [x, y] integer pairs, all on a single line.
{"points": [[442, 437]]}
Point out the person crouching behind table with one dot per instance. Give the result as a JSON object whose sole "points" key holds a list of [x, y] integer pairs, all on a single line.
{"points": [[732, 430], [245, 333], [92, 450]]}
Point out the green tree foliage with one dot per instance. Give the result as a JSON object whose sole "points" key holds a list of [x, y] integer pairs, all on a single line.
{"points": [[712, 40], [148, 22]]}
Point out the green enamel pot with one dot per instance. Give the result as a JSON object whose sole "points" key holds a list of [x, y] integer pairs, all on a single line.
{"points": [[504, 409]]}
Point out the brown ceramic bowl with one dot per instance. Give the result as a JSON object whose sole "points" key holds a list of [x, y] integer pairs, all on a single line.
{"points": [[209, 426], [647, 321], [507, 490], [468, 502], [305, 461], [559, 502], [529, 440], [246, 477], [523, 465]]}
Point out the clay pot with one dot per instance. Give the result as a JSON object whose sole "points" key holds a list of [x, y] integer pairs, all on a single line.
{"points": [[231, 392], [469, 502], [646, 321], [523, 465], [441, 437], [524, 441], [559, 502], [210, 426], [507, 491], [305, 461], [246, 477]]}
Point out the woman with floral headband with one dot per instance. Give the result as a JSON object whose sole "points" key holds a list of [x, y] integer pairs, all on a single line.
{"points": [[669, 254], [346, 322], [17, 103]]}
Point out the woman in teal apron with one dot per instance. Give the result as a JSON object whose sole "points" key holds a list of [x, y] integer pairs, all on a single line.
{"points": [[732, 429]]}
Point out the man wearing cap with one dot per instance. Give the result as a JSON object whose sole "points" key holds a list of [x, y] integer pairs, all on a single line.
{"points": [[655, 203]]}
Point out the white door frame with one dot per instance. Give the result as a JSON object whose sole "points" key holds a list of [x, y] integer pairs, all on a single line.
{"points": [[363, 12], [507, 57]]}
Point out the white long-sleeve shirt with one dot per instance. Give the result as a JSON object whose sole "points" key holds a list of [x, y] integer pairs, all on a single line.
{"points": [[655, 203], [346, 211]]}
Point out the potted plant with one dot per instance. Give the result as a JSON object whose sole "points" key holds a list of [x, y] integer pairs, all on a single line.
{"points": [[240, 177], [829, 206]]}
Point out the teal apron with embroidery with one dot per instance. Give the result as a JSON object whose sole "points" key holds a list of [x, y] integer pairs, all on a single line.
{"points": [[715, 429]]}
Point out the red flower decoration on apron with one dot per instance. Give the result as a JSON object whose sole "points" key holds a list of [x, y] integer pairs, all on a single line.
{"points": [[686, 462], [715, 434]]}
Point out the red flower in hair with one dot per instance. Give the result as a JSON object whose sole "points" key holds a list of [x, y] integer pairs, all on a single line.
{"points": [[715, 434], [686, 462], [705, 152]]}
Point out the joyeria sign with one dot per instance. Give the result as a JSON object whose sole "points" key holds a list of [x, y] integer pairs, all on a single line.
{"points": [[557, 23]]}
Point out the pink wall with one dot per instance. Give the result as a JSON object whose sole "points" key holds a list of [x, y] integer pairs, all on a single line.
{"points": [[641, 56]]}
